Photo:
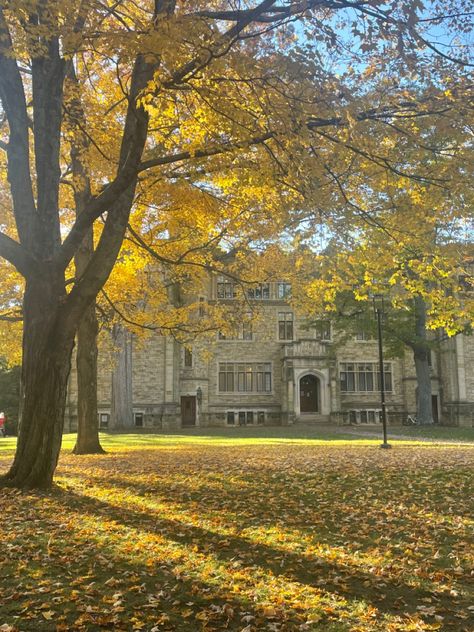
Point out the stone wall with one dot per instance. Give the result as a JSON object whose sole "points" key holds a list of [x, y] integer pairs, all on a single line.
{"points": [[160, 378]]}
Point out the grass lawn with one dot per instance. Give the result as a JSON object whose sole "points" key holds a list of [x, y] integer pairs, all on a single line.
{"points": [[247, 531]]}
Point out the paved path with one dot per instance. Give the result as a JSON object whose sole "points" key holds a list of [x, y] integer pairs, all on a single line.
{"points": [[393, 434]]}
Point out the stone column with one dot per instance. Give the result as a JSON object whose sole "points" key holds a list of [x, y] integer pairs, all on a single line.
{"points": [[121, 413]]}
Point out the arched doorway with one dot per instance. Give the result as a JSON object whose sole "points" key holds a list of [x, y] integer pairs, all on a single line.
{"points": [[309, 394]]}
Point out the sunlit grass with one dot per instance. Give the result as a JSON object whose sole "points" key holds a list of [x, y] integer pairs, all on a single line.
{"points": [[278, 435], [278, 533]]}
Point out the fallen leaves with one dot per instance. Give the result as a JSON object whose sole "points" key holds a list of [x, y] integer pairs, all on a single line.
{"points": [[276, 538]]}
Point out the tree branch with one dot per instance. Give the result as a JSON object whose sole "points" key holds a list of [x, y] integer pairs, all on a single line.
{"points": [[203, 153], [129, 165], [12, 317], [16, 254], [13, 98]]}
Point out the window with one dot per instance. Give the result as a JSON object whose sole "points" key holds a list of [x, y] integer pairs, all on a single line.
{"points": [[259, 292], [430, 359], [322, 330], [246, 377], [363, 416], [188, 358], [244, 331], [138, 420], [247, 330], [363, 330], [285, 325], [363, 335], [364, 376], [104, 420], [202, 309], [226, 288], [245, 417], [283, 290], [226, 377]]}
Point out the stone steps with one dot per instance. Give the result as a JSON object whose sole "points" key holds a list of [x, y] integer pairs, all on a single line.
{"points": [[312, 419]]}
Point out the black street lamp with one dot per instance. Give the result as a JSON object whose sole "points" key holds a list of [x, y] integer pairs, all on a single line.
{"points": [[379, 309]]}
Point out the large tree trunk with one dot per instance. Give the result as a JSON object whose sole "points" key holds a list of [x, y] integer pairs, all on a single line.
{"points": [[421, 352], [51, 316], [424, 411], [45, 372], [87, 441]]}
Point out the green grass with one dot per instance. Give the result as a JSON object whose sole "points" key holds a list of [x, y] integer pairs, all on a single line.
{"points": [[286, 530], [266, 435]]}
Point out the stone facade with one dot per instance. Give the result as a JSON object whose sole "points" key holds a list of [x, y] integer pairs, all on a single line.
{"points": [[278, 371]]}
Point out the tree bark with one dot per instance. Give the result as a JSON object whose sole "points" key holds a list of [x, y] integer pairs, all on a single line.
{"points": [[45, 371], [421, 352], [87, 441], [424, 411]]}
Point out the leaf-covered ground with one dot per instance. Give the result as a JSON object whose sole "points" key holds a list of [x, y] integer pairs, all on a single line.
{"points": [[241, 534]]}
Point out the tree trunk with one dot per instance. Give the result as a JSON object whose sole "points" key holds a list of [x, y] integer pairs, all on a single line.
{"points": [[51, 316], [424, 411], [122, 398], [421, 352], [44, 378], [87, 441]]}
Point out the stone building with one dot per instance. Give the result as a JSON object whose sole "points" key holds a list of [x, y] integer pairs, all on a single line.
{"points": [[272, 370]]}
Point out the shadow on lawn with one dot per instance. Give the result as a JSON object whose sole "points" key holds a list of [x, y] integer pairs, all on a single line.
{"points": [[130, 586], [345, 581], [219, 494]]}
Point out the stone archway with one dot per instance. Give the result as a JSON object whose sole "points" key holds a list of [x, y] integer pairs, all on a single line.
{"points": [[310, 394]]}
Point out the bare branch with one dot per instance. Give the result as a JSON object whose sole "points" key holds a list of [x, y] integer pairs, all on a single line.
{"points": [[203, 153], [12, 317]]}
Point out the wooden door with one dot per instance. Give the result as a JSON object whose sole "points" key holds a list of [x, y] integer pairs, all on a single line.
{"points": [[188, 410], [309, 394]]}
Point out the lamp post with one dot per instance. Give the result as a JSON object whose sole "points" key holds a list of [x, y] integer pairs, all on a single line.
{"points": [[378, 309]]}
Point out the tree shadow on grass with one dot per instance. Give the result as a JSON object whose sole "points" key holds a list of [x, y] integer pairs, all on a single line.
{"points": [[345, 581], [102, 589], [230, 496]]}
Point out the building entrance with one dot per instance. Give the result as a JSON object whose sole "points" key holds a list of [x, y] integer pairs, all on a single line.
{"points": [[309, 394], [188, 410]]}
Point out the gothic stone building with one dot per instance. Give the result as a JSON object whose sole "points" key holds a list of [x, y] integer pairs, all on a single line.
{"points": [[275, 370]]}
